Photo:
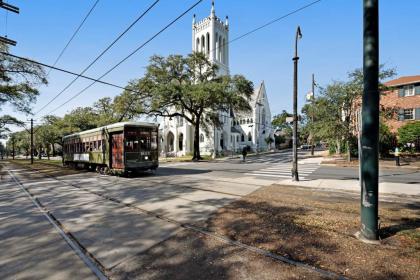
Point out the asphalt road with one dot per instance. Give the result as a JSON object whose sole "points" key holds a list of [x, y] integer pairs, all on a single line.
{"points": [[275, 166]]}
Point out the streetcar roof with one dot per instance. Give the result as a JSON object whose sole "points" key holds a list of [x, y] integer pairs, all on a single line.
{"points": [[113, 126]]}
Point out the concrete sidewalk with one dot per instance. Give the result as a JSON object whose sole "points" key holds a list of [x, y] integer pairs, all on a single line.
{"points": [[354, 185], [31, 247]]}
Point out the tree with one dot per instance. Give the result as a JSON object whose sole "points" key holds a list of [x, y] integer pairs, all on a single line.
{"points": [[335, 110], [387, 140], [18, 81], [409, 133], [189, 87], [81, 118], [6, 120]]}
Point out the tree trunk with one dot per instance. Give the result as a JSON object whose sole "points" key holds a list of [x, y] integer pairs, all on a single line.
{"points": [[196, 153], [348, 151], [53, 149], [338, 149]]}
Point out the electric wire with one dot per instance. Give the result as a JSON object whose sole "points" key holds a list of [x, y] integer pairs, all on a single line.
{"points": [[66, 71], [100, 55], [74, 34], [98, 80], [128, 56]]}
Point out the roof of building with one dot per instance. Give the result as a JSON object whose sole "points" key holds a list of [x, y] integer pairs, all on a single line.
{"points": [[114, 125], [255, 96], [405, 80]]}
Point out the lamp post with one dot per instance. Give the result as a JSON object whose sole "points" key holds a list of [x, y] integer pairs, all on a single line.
{"points": [[295, 174]]}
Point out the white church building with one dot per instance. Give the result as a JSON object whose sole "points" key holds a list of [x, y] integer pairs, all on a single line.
{"points": [[251, 130]]}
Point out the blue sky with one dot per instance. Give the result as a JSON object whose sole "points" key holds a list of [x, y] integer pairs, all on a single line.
{"points": [[331, 45]]}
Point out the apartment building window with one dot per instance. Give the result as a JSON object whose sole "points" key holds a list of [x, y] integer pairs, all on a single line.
{"points": [[409, 90], [408, 114]]}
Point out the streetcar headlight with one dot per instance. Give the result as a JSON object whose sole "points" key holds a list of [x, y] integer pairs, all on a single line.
{"points": [[146, 157]]}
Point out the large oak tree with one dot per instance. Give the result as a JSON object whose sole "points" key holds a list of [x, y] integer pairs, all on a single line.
{"points": [[190, 87]]}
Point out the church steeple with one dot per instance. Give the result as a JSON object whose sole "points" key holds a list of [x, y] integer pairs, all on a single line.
{"points": [[210, 36]]}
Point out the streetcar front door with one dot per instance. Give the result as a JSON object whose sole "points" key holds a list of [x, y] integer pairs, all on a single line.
{"points": [[117, 151]]}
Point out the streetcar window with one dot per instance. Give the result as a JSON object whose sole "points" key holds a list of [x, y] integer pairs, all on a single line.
{"points": [[100, 145]]}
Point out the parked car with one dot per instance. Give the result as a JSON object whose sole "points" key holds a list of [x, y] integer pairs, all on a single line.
{"points": [[305, 146]]}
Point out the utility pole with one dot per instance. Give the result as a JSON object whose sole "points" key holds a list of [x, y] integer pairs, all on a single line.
{"points": [[313, 115], [295, 174], [369, 231], [32, 141]]}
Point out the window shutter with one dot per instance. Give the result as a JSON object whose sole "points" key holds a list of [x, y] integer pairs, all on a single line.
{"points": [[401, 114], [417, 114], [401, 92], [417, 90]]}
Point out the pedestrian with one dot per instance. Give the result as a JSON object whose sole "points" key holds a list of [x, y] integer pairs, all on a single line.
{"points": [[397, 157], [244, 152]]}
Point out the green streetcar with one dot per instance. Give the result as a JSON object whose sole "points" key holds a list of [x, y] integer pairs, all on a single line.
{"points": [[121, 147]]}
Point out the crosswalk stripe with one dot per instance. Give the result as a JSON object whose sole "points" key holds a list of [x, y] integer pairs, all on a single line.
{"points": [[272, 175]]}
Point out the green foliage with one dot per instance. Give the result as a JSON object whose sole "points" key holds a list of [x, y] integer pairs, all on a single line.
{"points": [[189, 87], [18, 81], [409, 133], [269, 140], [387, 140], [334, 111]]}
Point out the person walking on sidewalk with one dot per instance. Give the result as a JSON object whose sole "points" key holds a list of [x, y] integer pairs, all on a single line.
{"points": [[244, 153]]}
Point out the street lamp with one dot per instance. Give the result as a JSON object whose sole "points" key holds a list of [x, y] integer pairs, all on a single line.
{"points": [[295, 174]]}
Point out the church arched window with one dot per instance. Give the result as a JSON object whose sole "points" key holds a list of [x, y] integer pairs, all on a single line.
{"points": [[201, 138], [220, 48], [247, 120], [197, 45], [251, 120], [203, 44], [224, 51], [249, 136], [217, 46], [208, 43], [242, 137]]}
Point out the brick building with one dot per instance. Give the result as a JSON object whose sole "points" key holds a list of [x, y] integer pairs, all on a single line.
{"points": [[403, 94]]}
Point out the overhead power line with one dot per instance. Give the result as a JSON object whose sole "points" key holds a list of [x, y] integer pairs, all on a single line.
{"points": [[75, 33], [266, 24], [99, 56], [98, 80], [130, 55], [66, 71]]}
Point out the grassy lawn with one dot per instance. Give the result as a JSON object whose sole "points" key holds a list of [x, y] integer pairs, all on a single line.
{"points": [[43, 161]]}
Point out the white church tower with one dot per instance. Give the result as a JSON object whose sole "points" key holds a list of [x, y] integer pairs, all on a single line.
{"points": [[211, 36]]}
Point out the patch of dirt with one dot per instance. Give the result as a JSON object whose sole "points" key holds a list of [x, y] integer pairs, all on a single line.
{"points": [[188, 255], [317, 228]]}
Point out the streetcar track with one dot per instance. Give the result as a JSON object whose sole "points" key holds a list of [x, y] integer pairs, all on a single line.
{"points": [[90, 261], [197, 229]]}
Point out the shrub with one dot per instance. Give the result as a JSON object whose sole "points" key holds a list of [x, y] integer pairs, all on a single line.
{"points": [[409, 135]]}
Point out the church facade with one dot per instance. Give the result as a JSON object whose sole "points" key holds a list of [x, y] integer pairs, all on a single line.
{"points": [[251, 130]]}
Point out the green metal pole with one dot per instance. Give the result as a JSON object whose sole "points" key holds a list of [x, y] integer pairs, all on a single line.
{"points": [[295, 173], [370, 123]]}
